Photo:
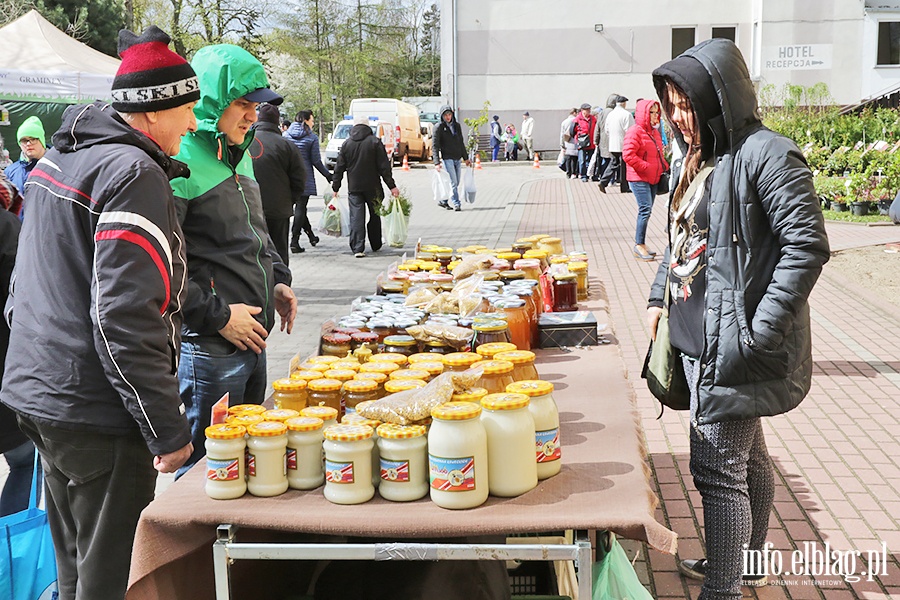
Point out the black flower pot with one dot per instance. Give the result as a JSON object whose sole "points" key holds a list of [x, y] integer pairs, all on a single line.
{"points": [[838, 206], [884, 207], [859, 209]]}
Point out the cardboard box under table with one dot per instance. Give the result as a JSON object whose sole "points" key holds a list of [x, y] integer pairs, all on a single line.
{"points": [[603, 485]]}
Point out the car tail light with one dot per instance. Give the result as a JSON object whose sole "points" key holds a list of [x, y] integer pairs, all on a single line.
{"points": [[398, 134]]}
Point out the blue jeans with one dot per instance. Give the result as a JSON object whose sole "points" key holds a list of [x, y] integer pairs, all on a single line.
{"points": [[454, 169], [208, 369], [18, 483], [644, 193], [584, 159], [495, 152]]}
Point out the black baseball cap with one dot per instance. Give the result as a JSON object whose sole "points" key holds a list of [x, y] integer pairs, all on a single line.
{"points": [[264, 95]]}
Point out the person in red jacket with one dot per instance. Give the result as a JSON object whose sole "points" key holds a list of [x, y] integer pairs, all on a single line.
{"points": [[642, 152], [583, 136]]}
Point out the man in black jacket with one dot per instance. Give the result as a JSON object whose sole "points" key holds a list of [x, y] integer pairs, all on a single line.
{"points": [[450, 147], [365, 159], [281, 175]]}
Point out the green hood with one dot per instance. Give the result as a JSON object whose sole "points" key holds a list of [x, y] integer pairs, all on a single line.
{"points": [[32, 128], [225, 73]]}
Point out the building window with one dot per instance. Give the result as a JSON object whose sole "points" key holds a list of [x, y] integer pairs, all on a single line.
{"points": [[682, 39], [889, 43], [726, 33]]}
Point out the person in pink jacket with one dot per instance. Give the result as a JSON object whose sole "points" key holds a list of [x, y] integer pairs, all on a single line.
{"points": [[642, 152]]}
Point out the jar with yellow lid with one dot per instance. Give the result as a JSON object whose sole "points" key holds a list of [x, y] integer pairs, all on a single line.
{"points": [[305, 467], [581, 278], [433, 369], [225, 448], [538, 237], [404, 345], [266, 450], [245, 419], [378, 378], [544, 412], [416, 373], [357, 419], [397, 358], [457, 456], [403, 452], [487, 332], [341, 375], [348, 464], [460, 361], [335, 344], [565, 292], [324, 359], [540, 255], [252, 409], [328, 415], [312, 366], [401, 385], [280, 415], [488, 351], [510, 256], [497, 375], [379, 366], [425, 357], [325, 392], [359, 390], [290, 392], [512, 470], [551, 245], [306, 375], [471, 395], [523, 364], [408, 266], [347, 364]]}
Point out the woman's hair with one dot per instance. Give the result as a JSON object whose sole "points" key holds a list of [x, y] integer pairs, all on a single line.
{"points": [[693, 158], [303, 116]]}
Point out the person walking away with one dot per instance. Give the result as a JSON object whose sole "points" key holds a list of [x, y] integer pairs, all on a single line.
{"points": [[583, 136], [32, 139], [565, 134], [617, 123], [279, 169], [449, 152], [236, 279], [101, 289], [642, 152], [746, 247], [304, 137], [528, 134], [496, 138], [364, 158], [602, 156]]}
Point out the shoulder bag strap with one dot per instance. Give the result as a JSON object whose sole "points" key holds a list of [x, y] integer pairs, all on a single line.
{"points": [[32, 499]]}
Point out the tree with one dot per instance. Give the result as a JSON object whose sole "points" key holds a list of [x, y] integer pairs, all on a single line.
{"points": [[96, 23]]}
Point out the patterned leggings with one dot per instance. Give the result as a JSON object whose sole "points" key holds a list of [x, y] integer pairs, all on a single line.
{"points": [[733, 473]]}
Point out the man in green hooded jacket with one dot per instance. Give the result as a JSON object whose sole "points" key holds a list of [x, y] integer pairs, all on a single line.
{"points": [[237, 280]]}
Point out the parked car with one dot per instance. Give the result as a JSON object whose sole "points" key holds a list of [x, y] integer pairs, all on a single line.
{"points": [[403, 117], [428, 136], [384, 131]]}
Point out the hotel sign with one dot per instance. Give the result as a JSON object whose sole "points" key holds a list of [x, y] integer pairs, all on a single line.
{"points": [[798, 57]]}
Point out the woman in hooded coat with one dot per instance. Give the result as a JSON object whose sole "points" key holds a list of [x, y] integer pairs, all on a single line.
{"points": [[746, 245]]}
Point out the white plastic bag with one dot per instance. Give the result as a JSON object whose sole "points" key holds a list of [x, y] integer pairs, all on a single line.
{"points": [[396, 225], [335, 219], [468, 185], [441, 186]]}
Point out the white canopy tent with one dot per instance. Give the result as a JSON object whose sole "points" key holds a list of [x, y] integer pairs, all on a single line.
{"points": [[38, 62]]}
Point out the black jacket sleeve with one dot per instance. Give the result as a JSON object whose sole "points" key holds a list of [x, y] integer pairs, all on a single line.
{"points": [[339, 167], [436, 142]]}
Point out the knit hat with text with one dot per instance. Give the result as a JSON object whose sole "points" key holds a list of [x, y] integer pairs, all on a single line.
{"points": [[151, 77]]}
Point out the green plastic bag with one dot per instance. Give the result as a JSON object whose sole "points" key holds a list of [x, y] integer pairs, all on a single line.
{"points": [[615, 579], [396, 225]]}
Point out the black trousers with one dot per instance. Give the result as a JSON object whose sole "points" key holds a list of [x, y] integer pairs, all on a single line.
{"points": [[96, 486], [301, 220], [360, 202], [615, 171], [278, 231]]}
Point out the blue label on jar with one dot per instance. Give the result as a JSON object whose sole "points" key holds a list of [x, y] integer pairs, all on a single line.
{"points": [[339, 472], [394, 470], [452, 474]]}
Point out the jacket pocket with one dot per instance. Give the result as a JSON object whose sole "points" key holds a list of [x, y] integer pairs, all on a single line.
{"points": [[740, 359]]}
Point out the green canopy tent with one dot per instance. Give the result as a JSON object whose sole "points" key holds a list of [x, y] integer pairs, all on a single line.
{"points": [[43, 71]]}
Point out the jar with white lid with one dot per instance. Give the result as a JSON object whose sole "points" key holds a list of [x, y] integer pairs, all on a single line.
{"points": [[266, 468], [403, 451], [348, 464], [357, 419], [512, 470], [326, 413], [457, 456], [225, 446], [548, 451], [305, 464]]}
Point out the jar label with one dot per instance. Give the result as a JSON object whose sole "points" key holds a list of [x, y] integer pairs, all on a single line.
{"points": [[251, 465], [395, 470], [339, 472], [546, 445], [222, 470], [291, 458], [452, 474]]}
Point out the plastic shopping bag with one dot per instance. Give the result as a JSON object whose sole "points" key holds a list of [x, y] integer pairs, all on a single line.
{"points": [[396, 225], [441, 186], [330, 221], [468, 185], [27, 559], [615, 579]]}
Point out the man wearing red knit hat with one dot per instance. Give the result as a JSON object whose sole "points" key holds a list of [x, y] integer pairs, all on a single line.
{"points": [[96, 314]]}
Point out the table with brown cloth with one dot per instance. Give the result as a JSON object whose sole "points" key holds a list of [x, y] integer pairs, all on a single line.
{"points": [[603, 485]]}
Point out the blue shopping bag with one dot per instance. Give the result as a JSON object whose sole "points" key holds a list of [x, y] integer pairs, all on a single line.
{"points": [[27, 559]]}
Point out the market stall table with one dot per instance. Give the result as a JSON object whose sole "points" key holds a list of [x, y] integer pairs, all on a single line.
{"points": [[603, 485]]}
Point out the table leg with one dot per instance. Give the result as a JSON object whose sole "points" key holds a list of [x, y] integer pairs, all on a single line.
{"points": [[221, 561]]}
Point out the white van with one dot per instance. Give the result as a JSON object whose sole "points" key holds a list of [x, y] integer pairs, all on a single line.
{"points": [[403, 117], [384, 131]]}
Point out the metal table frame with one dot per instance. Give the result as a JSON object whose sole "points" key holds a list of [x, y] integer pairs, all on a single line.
{"points": [[226, 550]]}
